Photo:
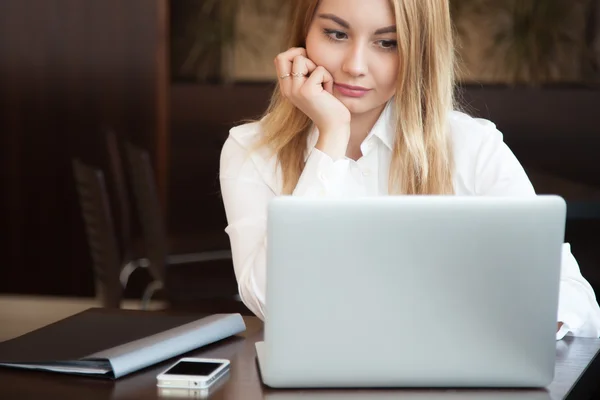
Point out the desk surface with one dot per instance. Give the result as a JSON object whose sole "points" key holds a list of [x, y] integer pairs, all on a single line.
{"points": [[577, 371]]}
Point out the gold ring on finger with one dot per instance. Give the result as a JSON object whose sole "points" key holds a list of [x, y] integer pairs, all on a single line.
{"points": [[284, 76], [298, 75]]}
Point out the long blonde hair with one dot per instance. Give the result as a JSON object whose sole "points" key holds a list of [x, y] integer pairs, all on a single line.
{"points": [[422, 161]]}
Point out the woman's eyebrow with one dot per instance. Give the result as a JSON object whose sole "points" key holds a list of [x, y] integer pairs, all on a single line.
{"points": [[346, 25], [336, 19], [387, 29]]}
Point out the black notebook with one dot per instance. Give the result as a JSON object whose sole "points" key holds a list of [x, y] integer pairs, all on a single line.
{"points": [[113, 343]]}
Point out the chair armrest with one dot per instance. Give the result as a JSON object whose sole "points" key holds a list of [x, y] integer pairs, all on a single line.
{"points": [[174, 259]]}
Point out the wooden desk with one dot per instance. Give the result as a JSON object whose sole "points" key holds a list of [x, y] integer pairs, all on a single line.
{"points": [[577, 376]]}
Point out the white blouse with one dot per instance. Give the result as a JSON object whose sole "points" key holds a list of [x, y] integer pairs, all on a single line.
{"points": [[484, 166]]}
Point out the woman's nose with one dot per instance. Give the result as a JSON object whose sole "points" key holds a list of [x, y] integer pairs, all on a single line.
{"points": [[355, 63]]}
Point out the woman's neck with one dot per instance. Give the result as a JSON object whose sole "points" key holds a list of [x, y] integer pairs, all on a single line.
{"points": [[360, 126]]}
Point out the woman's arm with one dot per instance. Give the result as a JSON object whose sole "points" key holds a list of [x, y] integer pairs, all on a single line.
{"points": [[248, 182], [577, 307], [499, 173]]}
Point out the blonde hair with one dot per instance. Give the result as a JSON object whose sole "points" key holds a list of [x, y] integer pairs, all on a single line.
{"points": [[422, 160]]}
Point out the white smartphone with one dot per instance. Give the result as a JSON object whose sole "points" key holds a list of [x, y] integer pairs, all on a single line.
{"points": [[192, 393], [193, 373]]}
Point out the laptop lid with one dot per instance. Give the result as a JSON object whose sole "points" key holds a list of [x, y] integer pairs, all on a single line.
{"points": [[412, 291]]}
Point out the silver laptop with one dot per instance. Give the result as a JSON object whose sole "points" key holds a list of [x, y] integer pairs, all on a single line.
{"points": [[412, 291]]}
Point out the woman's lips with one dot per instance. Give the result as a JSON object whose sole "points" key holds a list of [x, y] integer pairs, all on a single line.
{"points": [[351, 91]]}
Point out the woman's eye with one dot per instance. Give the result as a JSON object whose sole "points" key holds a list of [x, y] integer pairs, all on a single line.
{"points": [[387, 44], [335, 35]]}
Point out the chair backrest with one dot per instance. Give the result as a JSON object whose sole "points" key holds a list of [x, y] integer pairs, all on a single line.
{"points": [[149, 210], [122, 196], [99, 226]]}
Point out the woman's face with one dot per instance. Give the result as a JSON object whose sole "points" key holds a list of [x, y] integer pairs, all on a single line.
{"points": [[355, 40]]}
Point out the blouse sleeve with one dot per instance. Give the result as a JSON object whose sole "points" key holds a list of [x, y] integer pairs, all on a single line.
{"points": [[246, 194], [499, 173]]}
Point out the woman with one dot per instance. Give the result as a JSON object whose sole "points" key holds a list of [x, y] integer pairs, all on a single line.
{"points": [[364, 107]]}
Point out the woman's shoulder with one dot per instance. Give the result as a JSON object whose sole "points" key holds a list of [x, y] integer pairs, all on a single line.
{"points": [[484, 163], [466, 127], [244, 140], [246, 135], [241, 141], [242, 156], [471, 134]]}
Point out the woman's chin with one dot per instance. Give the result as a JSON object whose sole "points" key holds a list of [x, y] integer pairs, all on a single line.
{"points": [[357, 105]]}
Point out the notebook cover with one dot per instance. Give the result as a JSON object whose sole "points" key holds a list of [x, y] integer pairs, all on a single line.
{"points": [[91, 331]]}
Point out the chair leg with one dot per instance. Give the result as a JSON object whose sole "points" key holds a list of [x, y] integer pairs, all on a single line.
{"points": [[106, 297], [152, 287], [130, 267]]}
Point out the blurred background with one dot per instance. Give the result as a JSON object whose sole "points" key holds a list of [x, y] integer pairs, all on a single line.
{"points": [[113, 114]]}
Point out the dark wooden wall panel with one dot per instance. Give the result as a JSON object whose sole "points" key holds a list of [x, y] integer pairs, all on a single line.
{"points": [[551, 129], [201, 118], [69, 69]]}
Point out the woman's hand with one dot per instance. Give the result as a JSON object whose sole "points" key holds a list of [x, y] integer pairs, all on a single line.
{"points": [[309, 87]]}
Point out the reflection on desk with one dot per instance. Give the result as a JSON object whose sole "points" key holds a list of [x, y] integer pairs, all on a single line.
{"points": [[410, 395], [172, 393]]}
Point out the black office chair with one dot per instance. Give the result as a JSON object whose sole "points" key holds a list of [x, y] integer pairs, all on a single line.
{"points": [[131, 250], [203, 281], [99, 227]]}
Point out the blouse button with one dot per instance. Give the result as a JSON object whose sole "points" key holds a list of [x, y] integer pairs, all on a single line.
{"points": [[322, 177]]}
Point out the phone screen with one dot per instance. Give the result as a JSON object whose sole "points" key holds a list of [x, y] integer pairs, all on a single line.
{"points": [[193, 368]]}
